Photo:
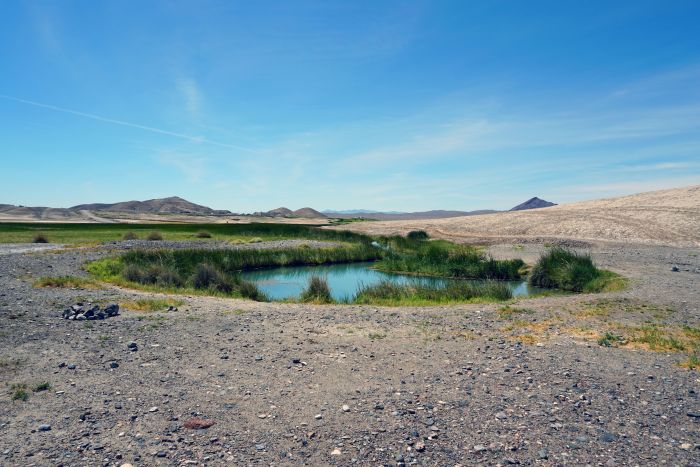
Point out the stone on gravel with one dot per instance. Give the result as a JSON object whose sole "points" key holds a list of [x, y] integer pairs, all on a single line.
{"points": [[197, 423], [45, 427]]}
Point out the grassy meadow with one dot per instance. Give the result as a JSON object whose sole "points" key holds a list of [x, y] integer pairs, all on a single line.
{"points": [[92, 234]]}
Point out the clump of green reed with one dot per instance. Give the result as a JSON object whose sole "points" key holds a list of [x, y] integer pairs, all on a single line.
{"points": [[317, 291], [388, 292], [567, 270], [204, 276], [448, 260]]}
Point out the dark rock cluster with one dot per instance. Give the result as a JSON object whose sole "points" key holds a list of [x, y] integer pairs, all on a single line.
{"points": [[82, 311]]}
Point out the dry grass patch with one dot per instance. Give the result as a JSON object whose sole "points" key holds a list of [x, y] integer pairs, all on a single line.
{"points": [[428, 331], [508, 312], [691, 363], [605, 308], [151, 304], [67, 282]]}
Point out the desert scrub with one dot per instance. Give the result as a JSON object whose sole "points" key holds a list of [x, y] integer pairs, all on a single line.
{"points": [[563, 269], [203, 234], [155, 236], [66, 282], [130, 236], [40, 238], [390, 293], [20, 392], [417, 235], [445, 259], [317, 291], [43, 386]]}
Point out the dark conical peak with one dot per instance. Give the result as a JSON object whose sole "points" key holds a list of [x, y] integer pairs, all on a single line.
{"points": [[533, 203]]}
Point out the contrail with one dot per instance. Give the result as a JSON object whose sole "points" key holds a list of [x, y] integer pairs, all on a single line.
{"points": [[195, 139]]}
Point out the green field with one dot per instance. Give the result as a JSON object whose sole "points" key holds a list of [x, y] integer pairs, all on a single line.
{"points": [[92, 234]]}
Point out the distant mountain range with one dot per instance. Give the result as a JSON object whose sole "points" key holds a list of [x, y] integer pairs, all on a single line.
{"points": [[177, 205], [532, 203], [172, 205]]}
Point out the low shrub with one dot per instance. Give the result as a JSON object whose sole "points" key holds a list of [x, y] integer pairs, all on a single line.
{"points": [[40, 238], [317, 291], [44, 386], [20, 392], [418, 235], [155, 236], [203, 234], [130, 236]]}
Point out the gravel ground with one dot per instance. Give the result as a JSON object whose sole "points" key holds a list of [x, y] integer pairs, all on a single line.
{"points": [[298, 384]]}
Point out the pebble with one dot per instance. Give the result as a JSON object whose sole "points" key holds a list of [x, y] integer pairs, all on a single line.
{"points": [[336, 452], [318, 416], [45, 427], [346, 408], [153, 409]]}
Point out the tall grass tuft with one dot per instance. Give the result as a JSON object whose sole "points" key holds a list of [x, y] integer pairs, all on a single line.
{"points": [[567, 270], [203, 234], [155, 236], [130, 236], [317, 291]]}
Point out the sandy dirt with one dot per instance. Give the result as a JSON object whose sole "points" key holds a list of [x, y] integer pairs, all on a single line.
{"points": [[667, 217]]}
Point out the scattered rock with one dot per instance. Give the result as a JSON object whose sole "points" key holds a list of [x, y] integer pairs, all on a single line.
{"points": [[45, 427], [197, 423], [80, 312]]}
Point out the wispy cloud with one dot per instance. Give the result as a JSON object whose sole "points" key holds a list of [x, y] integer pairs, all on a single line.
{"points": [[191, 95], [191, 138]]}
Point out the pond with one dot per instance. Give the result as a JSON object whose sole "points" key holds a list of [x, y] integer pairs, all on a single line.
{"points": [[344, 280]]}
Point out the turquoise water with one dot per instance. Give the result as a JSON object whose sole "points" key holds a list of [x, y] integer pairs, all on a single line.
{"points": [[344, 280]]}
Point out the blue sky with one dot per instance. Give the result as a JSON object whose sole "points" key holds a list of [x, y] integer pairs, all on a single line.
{"points": [[386, 105]]}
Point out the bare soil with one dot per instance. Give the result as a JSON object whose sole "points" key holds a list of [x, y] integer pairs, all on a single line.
{"points": [[666, 217], [296, 384]]}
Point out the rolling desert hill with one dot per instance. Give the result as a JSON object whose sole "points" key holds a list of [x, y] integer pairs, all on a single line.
{"points": [[665, 217], [396, 216], [171, 205], [304, 213]]}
